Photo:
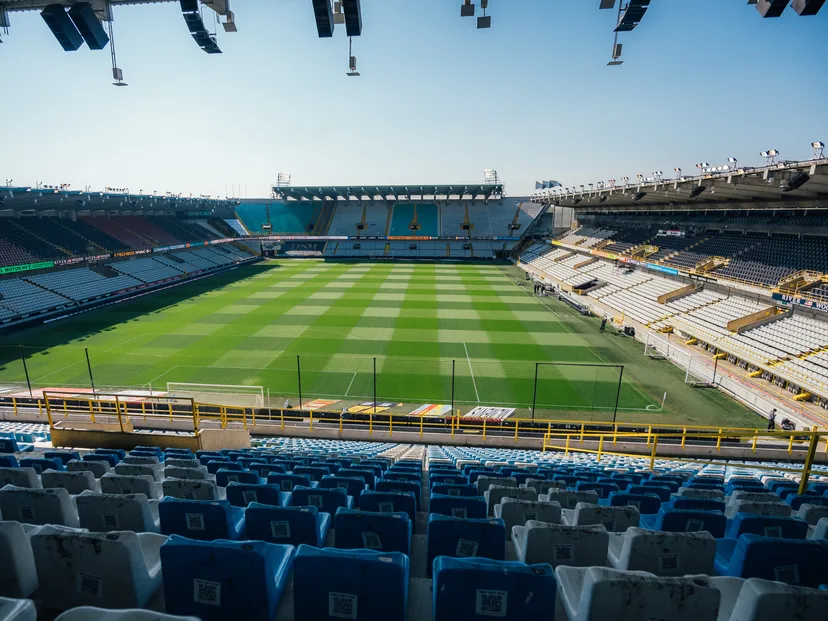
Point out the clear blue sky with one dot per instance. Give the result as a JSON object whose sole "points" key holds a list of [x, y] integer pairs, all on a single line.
{"points": [[438, 100]]}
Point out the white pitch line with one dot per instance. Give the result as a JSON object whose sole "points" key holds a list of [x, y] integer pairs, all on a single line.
{"points": [[351, 384], [474, 383]]}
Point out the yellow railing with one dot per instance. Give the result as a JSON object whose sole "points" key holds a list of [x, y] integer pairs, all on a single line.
{"points": [[570, 435], [785, 439]]}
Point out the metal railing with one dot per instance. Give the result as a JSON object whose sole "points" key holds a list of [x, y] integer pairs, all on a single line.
{"points": [[812, 439]]}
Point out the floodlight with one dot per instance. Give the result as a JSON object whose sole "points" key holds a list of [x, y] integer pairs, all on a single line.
{"points": [[819, 148], [818, 145], [703, 165]]}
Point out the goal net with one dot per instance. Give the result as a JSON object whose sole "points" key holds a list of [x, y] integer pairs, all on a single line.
{"points": [[218, 394], [655, 348]]}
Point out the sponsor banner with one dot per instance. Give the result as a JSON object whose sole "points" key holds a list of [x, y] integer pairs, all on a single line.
{"points": [[670, 233], [11, 269], [367, 407], [606, 255], [489, 413], [702, 278], [793, 299], [129, 253], [661, 268], [319, 404], [431, 410]]}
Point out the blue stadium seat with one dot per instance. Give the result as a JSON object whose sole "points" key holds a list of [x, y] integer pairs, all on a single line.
{"points": [[288, 481], [646, 503], [265, 469], [621, 483], [399, 487], [447, 478], [409, 477], [150, 449], [42, 464], [375, 468], [454, 490], [64, 456], [473, 475], [797, 501], [767, 526], [135, 454], [686, 520], [387, 532], [474, 589], [603, 489], [9, 461], [223, 579], [10, 445], [214, 465], [314, 472], [449, 536], [287, 525], [792, 561], [179, 451], [119, 453], [458, 506], [353, 485], [571, 480], [112, 460], [242, 494], [366, 474], [664, 493], [677, 502], [206, 520], [389, 502], [224, 477], [326, 500], [350, 584], [667, 478]]}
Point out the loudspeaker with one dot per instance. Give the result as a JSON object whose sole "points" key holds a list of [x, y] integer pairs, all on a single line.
{"points": [[629, 330], [638, 196], [324, 18], [807, 7], [796, 182], [62, 27], [353, 17], [771, 8], [87, 23]]}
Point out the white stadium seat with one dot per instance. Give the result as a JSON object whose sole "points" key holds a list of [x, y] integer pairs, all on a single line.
{"points": [[18, 577], [38, 506], [614, 519], [17, 610], [516, 512], [72, 482], [78, 568], [123, 484], [108, 512], [557, 544], [663, 553]]}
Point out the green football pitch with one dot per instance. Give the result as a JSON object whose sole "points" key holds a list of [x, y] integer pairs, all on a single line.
{"points": [[426, 328]]}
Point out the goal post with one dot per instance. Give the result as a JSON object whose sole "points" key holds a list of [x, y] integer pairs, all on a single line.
{"points": [[656, 348], [218, 394]]}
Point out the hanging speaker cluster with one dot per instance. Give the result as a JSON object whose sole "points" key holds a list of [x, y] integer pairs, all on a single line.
{"points": [[71, 28], [195, 24]]}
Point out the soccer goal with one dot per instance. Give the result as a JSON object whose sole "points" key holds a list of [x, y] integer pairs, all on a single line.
{"points": [[219, 394], [655, 348]]}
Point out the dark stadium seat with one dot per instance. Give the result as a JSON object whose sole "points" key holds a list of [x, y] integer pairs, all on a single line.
{"points": [[389, 502], [206, 520], [458, 506], [450, 536], [241, 494], [792, 561], [387, 532], [294, 525], [471, 589], [223, 579], [326, 500], [338, 583]]}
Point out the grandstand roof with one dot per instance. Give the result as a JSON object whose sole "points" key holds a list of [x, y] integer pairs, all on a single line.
{"points": [[768, 187], [388, 192], [46, 198]]}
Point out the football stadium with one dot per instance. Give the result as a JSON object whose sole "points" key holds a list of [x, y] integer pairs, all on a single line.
{"points": [[403, 401]]}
